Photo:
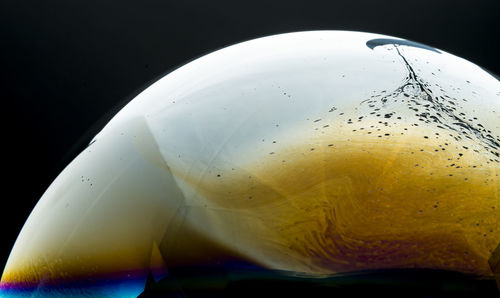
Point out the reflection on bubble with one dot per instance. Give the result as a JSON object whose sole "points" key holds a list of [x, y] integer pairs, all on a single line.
{"points": [[308, 163]]}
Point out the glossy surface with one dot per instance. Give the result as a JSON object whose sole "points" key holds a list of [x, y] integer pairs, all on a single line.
{"points": [[315, 153]]}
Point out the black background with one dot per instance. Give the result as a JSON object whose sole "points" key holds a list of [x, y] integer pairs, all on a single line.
{"points": [[67, 66]]}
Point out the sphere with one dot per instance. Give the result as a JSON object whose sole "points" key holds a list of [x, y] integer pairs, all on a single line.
{"points": [[307, 156]]}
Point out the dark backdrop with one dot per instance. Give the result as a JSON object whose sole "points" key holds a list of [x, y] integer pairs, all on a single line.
{"points": [[67, 66]]}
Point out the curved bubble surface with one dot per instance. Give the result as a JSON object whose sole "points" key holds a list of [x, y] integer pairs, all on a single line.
{"points": [[323, 158]]}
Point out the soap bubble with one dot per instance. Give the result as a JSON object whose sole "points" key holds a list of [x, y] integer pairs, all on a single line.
{"points": [[327, 161]]}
